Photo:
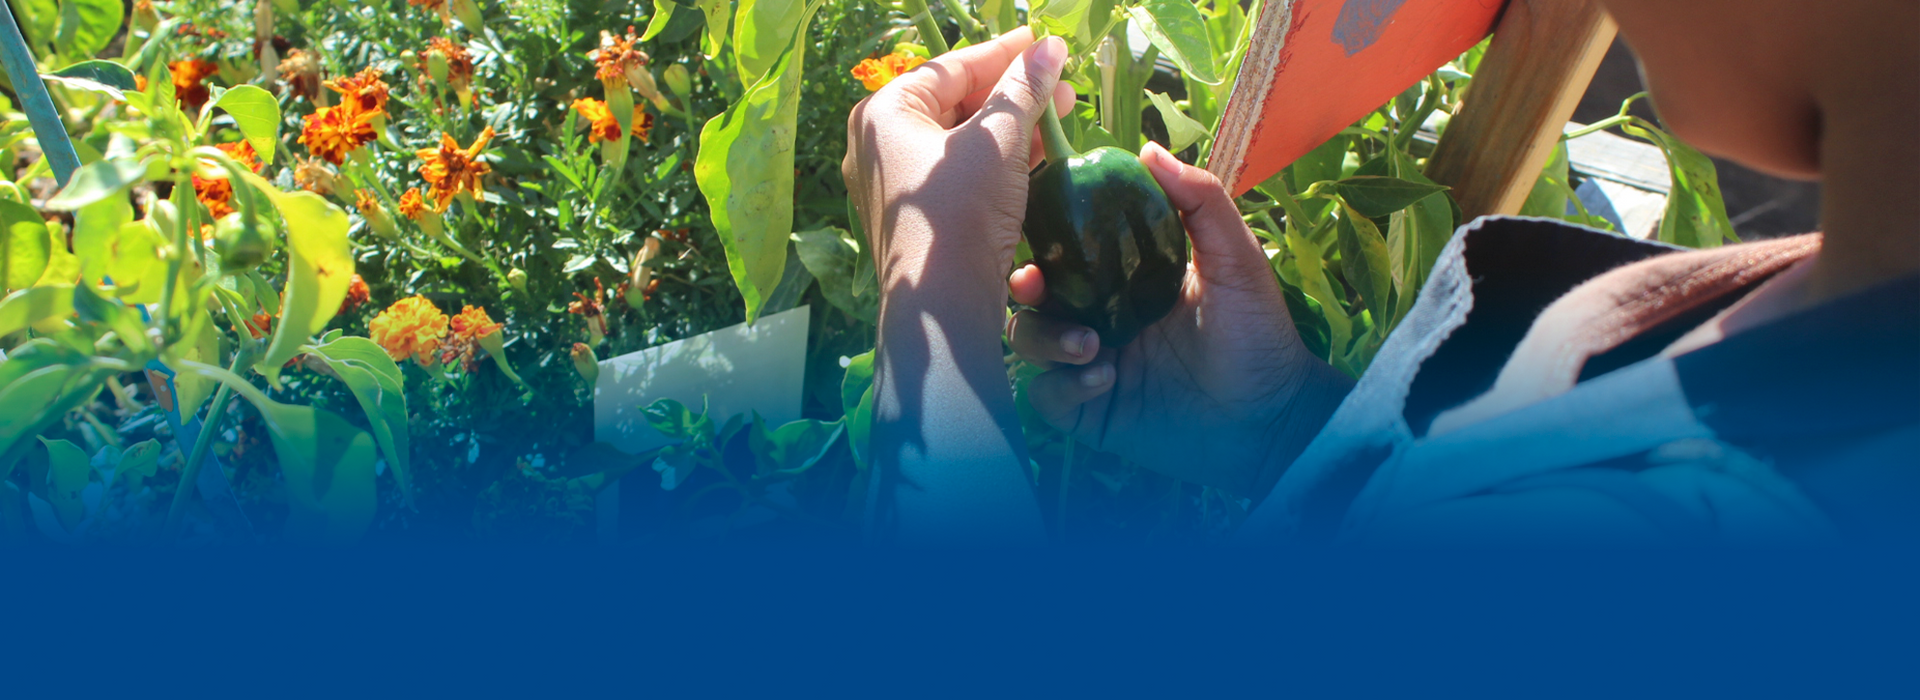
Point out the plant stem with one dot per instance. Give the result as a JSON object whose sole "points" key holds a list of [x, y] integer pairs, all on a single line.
{"points": [[969, 27], [929, 29], [190, 472], [1053, 138]]}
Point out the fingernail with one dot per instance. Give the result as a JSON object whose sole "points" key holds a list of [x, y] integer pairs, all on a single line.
{"points": [[1159, 160], [1075, 342], [1050, 54], [1097, 376]]}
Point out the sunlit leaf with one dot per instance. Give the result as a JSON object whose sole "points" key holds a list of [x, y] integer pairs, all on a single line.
{"points": [[320, 262], [376, 382], [745, 169], [1364, 260], [33, 307], [68, 469], [856, 399], [97, 181], [762, 29], [1378, 195], [86, 26], [24, 245], [662, 14], [1311, 263], [256, 114], [1182, 130], [1696, 214], [1549, 195], [104, 77], [96, 228], [719, 13], [1176, 27]]}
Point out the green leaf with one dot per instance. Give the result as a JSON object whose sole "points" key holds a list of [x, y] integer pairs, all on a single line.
{"points": [[1182, 130], [1176, 27], [1415, 237], [140, 461], [761, 31], [1062, 18], [96, 228], [37, 399], [1696, 213], [1549, 195], [1364, 260], [1311, 262], [24, 246], [325, 462], [98, 180], [856, 399], [68, 471], [745, 170], [257, 114], [320, 263], [376, 382], [104, 77], [1375, 196], [833, 258], [31, 307], [719, 13], [1309, 319], [662, 14], [134, 262], [86, 26], [41, 20]]}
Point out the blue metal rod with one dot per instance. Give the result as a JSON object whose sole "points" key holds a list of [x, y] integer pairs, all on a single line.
{"points": [[27, 84]]}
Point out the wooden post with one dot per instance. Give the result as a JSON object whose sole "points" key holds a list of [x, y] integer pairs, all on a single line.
{"points": [[1543, 54]]}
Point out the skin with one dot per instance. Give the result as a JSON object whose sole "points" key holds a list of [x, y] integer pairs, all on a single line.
{"points": [[1222, 392]]}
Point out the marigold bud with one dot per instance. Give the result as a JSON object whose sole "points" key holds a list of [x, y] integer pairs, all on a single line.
{"points": [[678, 80], [586, 363], [517, 279]]}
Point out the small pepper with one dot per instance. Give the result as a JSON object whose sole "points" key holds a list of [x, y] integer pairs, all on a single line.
{"points": [[1110, 246]]}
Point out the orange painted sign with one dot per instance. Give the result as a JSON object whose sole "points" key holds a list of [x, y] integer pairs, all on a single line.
{"points": [[1317, 66]]}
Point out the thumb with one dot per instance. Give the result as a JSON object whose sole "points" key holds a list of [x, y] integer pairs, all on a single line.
{"points": [[1220, 237], [1021, 95]]}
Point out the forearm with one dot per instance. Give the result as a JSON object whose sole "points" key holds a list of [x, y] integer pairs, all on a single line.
{"points": [[946, 437]]}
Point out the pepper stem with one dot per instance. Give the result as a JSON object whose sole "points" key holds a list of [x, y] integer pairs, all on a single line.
{"points": [[1053, 138]]}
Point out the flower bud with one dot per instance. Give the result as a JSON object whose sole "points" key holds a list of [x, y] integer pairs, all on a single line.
{"points": [[517, 279], [469, 14], [437, 66], [240, 243], [586, 363], [376, 216], [678, 81], [639, 275]]}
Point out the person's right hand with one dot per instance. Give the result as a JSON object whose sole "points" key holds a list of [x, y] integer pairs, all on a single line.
{"points": [[1221, 392]]}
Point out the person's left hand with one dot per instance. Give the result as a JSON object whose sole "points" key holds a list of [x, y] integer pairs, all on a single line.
{"points": [[939, 157]]}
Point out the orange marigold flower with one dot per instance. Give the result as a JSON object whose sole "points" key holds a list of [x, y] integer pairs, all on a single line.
{"points": [[473, 323], [411, 327], [592, 309], [451, 170], [139, 83], [875, 73], [412, 205], [616, 55], [260, 325], [333, 132], [365, 90], [605, 127], [459, 61], [186, 80], [357, 294], [216, 192]]}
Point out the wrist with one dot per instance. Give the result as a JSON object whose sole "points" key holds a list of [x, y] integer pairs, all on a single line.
{"points": [[1320, 390]]}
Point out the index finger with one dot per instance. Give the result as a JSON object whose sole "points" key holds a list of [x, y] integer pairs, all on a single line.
{"points": [[939, 85]]}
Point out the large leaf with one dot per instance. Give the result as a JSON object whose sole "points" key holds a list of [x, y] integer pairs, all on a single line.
{"points": [[830, 254], [134, 262], [1182, 130], [86, 26], [257, 114], [377, 384], [662, 14], [96, 228], [326, 464], [1376, 195], [104, 77], [1365, 262], [761, 31], [745, 169], [1176, 27], [1062, 18], [98, 180], [1311, 263], [40, 20], [856, 399], [320, 262], [33, 307], [24, 245], [1696, 213], [68, 469], [719, 13], [37, 399], [137, 462], [1415, 236]]}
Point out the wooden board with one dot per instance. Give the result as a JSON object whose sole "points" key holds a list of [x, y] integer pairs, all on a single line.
{"points": [[1316, 66]]}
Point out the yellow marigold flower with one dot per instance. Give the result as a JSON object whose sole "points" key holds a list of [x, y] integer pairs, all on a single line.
{"points": [[605, 127], [300, 70], [412, 327], [216, 192], [451, 170], [186, 80], [366, 91], [333, 132], [412, 205], [875, 73]]}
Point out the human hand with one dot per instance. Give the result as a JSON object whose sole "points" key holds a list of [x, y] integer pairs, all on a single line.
{"points": [[939, 157], [1221, 391]]}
